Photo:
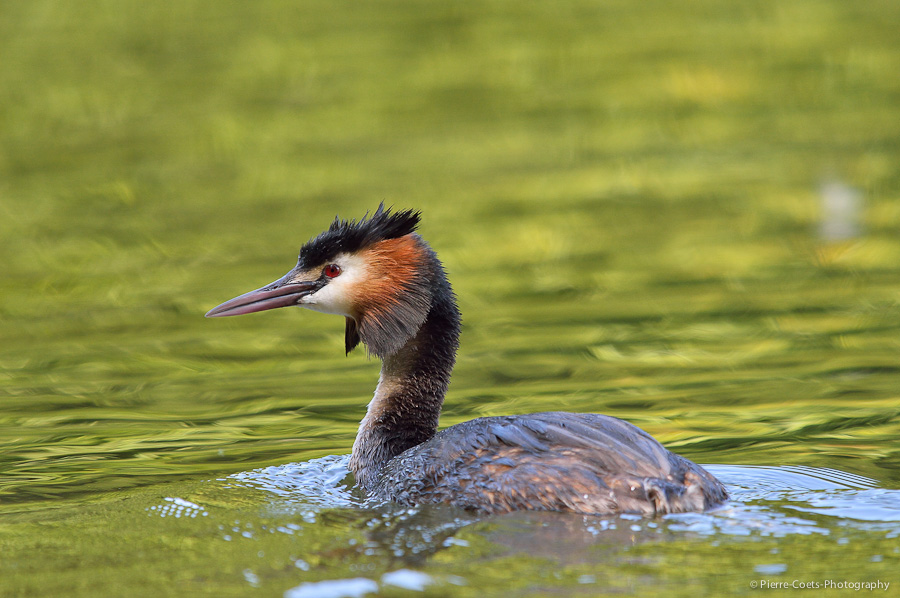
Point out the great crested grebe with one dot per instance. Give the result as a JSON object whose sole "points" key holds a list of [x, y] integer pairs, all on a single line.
{"points": [[392, 290]]}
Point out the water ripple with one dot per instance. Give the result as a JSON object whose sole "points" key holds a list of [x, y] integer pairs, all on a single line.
{"points": [[768, 501], [321, 482]]}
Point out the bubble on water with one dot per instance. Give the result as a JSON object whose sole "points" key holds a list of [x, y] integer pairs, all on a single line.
{"points": [[334, 588], [177, 507], [251, 578], [321, 482], [773, 569], [407, 579]]}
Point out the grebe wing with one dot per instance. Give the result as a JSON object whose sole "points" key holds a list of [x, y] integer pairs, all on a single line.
{"points": [[555, 461]]}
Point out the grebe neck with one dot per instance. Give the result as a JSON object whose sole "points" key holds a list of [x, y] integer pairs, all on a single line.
{"points": [[407, 404]]}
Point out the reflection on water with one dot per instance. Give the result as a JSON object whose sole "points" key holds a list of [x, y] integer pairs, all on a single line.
{"points": [[842, 211], [762, 498], [178, 507], [403, 544], [326, 481], [351, 588]]}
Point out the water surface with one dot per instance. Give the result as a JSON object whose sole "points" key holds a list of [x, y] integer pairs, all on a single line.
{"points": [[685, 217]]}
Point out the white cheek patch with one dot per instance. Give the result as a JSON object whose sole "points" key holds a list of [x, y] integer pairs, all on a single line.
{"points": [[336, 296]]}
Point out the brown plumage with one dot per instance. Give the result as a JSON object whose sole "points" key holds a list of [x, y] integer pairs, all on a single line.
{"points": [[392, 290], [390, 286], [585, 463]]}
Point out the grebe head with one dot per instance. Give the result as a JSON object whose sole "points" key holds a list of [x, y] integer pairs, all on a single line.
{"points": [[372, 271]]}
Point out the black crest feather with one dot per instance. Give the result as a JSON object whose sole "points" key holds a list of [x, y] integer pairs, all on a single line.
{"points": [[350, 236]]}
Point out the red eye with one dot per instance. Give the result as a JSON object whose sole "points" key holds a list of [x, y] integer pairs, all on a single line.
{"points": [[331, 270]]}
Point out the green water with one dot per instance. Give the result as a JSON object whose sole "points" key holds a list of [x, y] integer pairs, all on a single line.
{"points": [[684, 215]]}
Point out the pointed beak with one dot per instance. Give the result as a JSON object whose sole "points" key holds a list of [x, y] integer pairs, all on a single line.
{"points": [[281, 293]]}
